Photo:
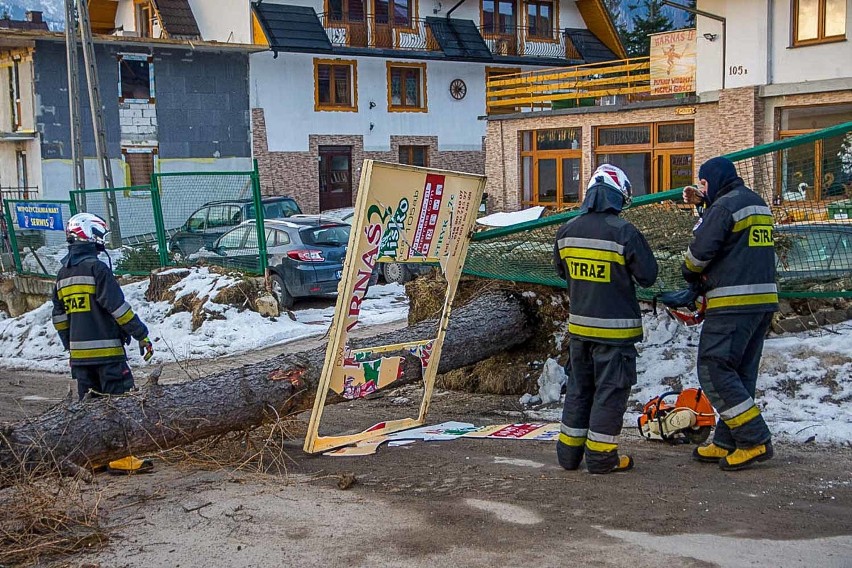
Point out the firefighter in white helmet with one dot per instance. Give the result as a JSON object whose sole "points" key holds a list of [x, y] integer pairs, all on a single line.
{"points": [[94, 321], [602, 257]]}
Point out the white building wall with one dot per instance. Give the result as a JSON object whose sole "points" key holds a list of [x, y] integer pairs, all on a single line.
{"points": [[223, 20], [284, 88], [752, 25]]}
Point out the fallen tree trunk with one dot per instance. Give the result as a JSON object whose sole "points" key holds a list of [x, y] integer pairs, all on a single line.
{"points": [[95, 431]]}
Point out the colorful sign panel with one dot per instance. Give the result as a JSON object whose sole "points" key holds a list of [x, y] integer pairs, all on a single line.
{"points": [[39, 216], [673, 62], [403, 214]]}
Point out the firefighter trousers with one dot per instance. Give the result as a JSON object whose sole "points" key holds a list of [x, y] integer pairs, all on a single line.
{"points": [[104, 378], [596, 396], [728, 359]]}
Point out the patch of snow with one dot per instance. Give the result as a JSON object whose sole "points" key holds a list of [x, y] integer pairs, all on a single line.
{"points": [[513, 218], [804, 387], [550, 382], [30, 342], [51, 258]]}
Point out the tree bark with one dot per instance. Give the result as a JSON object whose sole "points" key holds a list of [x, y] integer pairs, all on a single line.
{"points": [[93, 432]]}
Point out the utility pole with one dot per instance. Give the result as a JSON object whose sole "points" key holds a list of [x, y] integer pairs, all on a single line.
{"points": [[77, 159], [94, 91]]}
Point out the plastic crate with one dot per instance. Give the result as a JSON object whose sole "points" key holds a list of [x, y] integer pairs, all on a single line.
{"points": [[840, 210]]}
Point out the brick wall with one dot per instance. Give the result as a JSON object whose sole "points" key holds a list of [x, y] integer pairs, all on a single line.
{"points": [[297, 173]]}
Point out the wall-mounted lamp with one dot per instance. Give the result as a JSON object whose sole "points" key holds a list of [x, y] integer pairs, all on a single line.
{"points": [[710, 37], [372, 104], [372, 126]]}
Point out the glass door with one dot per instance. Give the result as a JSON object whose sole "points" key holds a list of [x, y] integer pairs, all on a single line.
{"points": [[335, 177], [675, 169]]}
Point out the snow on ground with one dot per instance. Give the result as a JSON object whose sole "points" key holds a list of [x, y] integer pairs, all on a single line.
{"points": [[30, 342], [505, 219], [804, 386]]}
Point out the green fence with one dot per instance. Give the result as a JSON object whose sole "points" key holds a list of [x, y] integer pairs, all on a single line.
{"points": [[177, 220], [807, 180]]}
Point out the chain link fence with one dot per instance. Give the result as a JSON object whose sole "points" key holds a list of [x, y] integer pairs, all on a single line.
{"points": [[806, 180], [178, 220]]}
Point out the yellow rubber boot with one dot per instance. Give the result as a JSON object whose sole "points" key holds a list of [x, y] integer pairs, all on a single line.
{"points": [[625, 463], [743, 458], [129, 465], [711, 453]]}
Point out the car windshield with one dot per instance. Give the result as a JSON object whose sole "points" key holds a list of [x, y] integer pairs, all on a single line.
{"points": [[276, 209], [326, 235]]}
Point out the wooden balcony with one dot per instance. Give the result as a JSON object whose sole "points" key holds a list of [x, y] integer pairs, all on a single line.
{"points": [[525, 41], [594, 84], [348, 30]]}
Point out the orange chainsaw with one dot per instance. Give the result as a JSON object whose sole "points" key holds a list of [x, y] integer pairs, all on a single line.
{"points": [[690, 418]]}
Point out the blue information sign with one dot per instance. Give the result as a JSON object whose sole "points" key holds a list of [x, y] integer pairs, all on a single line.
{"points": [[39, 216]]}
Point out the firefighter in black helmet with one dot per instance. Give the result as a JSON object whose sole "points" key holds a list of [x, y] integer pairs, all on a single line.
{"points": [[601, 256], [94, 321]]}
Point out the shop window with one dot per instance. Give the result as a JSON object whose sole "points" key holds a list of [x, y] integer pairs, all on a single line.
{"points": [[136, 74], [818, 21], [414, 155], [407, 87], [550, 167], [655, 157], [815, 171], [540, 19], [335, 85]]}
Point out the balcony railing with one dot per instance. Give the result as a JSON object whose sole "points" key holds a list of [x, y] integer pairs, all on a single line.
{"points": [[526, 41], [347, 30], [582, 85], [18, 192]]}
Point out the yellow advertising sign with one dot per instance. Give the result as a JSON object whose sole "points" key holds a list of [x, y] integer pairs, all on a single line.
{"points": [[403, 214], [673, 62]]}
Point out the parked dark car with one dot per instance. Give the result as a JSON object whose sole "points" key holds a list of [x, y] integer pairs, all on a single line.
{"points": [[306, 254], [214, 219], [392, 272], [814, 251]]}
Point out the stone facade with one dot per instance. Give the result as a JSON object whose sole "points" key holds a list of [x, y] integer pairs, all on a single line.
{"points": [[741, 118], [297, 173]]}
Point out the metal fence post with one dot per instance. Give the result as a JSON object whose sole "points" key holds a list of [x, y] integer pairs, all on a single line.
{"points": [[13, 239], [159, 223], [258, 207]]}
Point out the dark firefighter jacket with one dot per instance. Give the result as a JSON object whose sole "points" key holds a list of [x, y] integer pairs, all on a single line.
{"points": [[601, 255], [732, 254], [89, 311]]}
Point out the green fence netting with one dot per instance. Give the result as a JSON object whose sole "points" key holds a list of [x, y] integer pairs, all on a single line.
{"points": [[807, 180], [131, 214], [198, 209], [36, 252]]}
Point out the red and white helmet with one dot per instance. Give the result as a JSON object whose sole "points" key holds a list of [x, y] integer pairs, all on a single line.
{"points": [[86, 227], [614, 178]]}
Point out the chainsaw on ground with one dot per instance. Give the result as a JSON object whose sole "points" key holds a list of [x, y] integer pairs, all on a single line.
{"points": [[689, 419]]}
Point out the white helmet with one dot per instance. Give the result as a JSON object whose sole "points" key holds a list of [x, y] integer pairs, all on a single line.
{"points": [[613, 178], [86, 227]]}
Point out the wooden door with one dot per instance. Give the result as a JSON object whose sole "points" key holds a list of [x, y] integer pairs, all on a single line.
{"points": [[335, 177]]}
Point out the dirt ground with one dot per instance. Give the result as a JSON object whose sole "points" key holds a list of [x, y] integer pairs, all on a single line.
{"points": [[465, 502]]}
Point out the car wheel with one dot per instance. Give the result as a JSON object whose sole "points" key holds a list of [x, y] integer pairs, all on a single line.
{"points": [[397, 273], [282, 296]]}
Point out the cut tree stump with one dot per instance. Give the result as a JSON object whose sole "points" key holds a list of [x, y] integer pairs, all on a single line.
{"points": [[95, 431]]}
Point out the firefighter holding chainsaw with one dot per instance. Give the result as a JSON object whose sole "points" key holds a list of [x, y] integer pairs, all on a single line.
{"points": [[731, 260], [94, 321], [602, 257]]}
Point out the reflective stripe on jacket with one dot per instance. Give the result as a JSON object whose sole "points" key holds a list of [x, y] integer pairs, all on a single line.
{"points": [[732, 254], [90, 314], [601, 255]]}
